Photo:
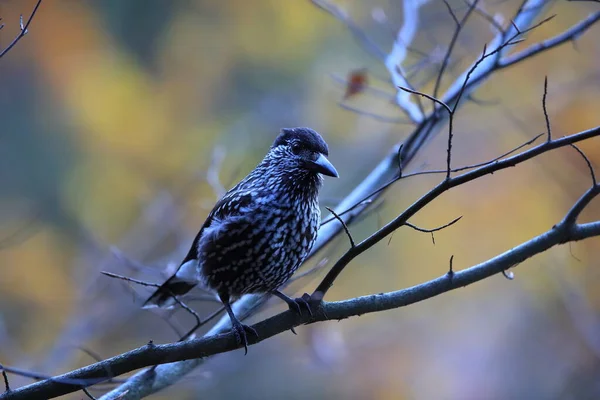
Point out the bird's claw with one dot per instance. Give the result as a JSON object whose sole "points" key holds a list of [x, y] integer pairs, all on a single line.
{"points": [[299, 302], [240, 331]]}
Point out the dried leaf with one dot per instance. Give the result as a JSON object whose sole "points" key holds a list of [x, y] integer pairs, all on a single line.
{"points": [[357, 82]]}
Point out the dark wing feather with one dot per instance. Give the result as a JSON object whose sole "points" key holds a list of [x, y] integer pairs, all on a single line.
{"points": [[228, 206]]}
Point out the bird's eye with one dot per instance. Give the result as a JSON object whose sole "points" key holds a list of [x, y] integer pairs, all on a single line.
{"points": [[296, 148]]}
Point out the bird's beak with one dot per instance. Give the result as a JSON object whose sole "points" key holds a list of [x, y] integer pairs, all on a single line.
{"points": [[323, 166]]}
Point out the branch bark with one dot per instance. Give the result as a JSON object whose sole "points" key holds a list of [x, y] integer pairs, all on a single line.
{"points": [[386, 171], [207, 346], [185, 356]]}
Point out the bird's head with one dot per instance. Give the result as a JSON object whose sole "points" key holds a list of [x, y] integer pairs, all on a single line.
{"points": [[304, 148]]}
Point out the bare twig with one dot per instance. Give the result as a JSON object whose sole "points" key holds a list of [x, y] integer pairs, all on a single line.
{"points": [[459, 26], [23, 29], [439, 228], [199, 322], [207, 346], [449, 183], [432, 98], [588, 162], [450, 126], [367, 200], [88, 394], [352, 244], [6, 383], [142, 384], [128, 279], [570, 34], [495, 21], [364, 202], [76, 383], [546, 118], [191, 311], [451, 12]]}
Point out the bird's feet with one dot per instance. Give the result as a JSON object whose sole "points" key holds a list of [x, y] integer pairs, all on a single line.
{"points": [[240, 331], [296, 304], [301, 302]]}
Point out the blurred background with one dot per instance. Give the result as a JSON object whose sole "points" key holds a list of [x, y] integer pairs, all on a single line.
{"points": [[116, 117]]}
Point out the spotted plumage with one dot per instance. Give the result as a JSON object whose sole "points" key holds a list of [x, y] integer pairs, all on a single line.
{"points": [[262, 229]]}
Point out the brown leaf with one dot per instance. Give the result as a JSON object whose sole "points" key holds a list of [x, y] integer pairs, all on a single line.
{"points": [[357, 82]]}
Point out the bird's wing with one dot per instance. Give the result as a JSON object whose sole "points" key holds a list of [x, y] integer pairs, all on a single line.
{"points": [[232, 204], [235, 202]]}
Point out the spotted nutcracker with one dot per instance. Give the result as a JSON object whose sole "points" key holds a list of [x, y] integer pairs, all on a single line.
{"points": [[261, 231]]}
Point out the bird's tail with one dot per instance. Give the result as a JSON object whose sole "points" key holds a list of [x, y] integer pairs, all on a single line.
{"points": [[184, 280]]}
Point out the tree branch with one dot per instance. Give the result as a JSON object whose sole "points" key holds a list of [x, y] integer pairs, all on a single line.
{"points": [[442, 187], [570, 34], [393, 61], [23, 29], [146, 382], [151, 354]]}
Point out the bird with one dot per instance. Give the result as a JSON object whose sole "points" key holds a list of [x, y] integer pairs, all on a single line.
{"points": [[259, 233]]}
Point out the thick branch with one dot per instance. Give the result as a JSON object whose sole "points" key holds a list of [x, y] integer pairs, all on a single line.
{"points": [[208, 346], [139, 385], [442, 187]]}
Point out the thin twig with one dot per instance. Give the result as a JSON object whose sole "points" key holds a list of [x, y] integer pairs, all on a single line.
{"points": [[88, 394], [570, 34], [493, 20], [76, 383], [456, 22], [5, 376], [283, 322], [171, 373], [588, 162], [432, 98], [23, 29], [446, 185], [352, 244], [128, 279], [364, 202], [439, 228], [450, 126], [472, 166], [457, 30], [367, 199], [546, 118], [199, 321]]}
